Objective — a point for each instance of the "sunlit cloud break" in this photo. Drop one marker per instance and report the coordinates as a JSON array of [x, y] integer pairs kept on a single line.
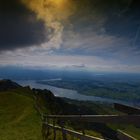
[[54, 13]]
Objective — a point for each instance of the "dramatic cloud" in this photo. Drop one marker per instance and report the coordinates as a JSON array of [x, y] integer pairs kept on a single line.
[[46, 22], [55, 13], [19, 27], [102, 34]]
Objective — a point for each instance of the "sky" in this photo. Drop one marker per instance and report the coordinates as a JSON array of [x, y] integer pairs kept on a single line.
[[95, 35]]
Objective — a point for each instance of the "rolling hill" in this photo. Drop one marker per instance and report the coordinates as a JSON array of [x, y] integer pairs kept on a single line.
[[18, 118]]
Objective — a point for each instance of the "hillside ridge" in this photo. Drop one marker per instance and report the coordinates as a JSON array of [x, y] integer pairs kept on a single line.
[[7, 84]]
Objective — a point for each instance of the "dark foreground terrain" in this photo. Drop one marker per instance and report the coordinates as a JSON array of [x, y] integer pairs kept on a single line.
[[20, 120]]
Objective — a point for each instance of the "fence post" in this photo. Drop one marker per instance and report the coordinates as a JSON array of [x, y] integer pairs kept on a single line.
[[44, 127], [54, 130], [83, 131], [63, 131], [43, 131]]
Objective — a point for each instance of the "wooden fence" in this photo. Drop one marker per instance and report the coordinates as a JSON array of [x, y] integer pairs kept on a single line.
[[49, 122], [66, 132], [122, 119]]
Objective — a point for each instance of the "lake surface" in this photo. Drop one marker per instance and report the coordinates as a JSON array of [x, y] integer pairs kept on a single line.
[[67, 93]]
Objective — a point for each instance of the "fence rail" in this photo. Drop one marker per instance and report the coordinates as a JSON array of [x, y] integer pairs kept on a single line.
[[133, 117], [123, 136], [72, 133], [127, 109], [125, 119]]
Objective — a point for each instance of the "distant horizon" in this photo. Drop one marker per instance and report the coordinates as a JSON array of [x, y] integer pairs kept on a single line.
[[76, 69]]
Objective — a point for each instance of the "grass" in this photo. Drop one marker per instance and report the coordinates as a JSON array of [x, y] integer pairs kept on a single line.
[[20, 121], [129, 129], [18, 118]]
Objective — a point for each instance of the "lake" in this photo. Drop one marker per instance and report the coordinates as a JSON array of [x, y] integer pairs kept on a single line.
[[67, 93]]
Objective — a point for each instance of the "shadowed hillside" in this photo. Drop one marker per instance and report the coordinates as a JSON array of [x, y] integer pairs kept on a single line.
[[19, 118], [7, 85]]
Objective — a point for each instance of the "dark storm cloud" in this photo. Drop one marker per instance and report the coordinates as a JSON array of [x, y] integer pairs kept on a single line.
[[117, 17], [19, 27], [112, 26], [124, 20], [110, 18]]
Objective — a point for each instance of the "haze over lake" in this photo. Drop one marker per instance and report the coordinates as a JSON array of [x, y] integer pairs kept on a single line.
[[67, 93]]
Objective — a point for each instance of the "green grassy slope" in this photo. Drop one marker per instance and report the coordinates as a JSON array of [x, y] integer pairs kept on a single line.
[[129, 129], [18, 118], [20, 121]]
